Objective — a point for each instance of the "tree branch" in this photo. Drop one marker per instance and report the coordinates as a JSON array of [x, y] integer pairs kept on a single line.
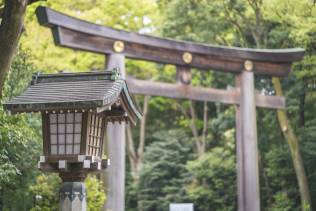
[[193, 119], [140, 150], [1, 11], [130, 143], [199, 145], [205, 121], [234, 22], [183, 111]]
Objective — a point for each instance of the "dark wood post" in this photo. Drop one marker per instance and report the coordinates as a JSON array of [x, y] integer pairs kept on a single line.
[[247, 146], [116, 151]]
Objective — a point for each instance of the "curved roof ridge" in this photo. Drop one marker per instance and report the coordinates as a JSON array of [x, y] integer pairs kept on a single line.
[[114, 92]]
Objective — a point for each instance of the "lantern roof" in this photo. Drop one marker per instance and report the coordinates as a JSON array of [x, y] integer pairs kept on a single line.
[[102, 92]]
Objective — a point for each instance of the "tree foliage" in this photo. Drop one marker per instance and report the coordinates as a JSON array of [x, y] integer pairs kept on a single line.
[[20, 142], [95, 194], [213, 180], [163, 174], [124, 14], [45, 193]]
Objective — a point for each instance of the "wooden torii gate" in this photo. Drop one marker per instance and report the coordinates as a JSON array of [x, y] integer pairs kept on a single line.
[[244, 63]]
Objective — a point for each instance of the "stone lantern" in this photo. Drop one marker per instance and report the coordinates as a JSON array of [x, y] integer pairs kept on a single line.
[[75, 109]]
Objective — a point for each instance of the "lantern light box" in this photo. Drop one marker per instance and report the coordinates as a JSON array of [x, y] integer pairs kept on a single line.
[[75, 109]]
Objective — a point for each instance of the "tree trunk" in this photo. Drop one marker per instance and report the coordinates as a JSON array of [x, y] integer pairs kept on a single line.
[[140, 150], [194, 128], [131, 151], [136, 157], [293, 143], [302, 109], [205, 126], [199, 139], [10, 30]]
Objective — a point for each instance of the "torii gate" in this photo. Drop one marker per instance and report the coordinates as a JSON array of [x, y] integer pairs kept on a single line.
[[243, 62]]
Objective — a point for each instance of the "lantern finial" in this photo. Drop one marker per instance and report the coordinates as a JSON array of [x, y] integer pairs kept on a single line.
[[115, 74], [34, 78]]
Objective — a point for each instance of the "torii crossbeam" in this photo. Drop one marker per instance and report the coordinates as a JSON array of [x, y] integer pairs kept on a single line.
[[243, 62]]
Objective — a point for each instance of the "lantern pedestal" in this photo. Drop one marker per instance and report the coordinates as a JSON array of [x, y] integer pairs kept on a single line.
[[72, 196]]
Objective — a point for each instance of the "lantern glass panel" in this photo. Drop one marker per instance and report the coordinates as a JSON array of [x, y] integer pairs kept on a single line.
[[77, 139], [61, 138], [53, 139], [69, 149], [65, 133], [61, 128], [76, 148], [61, 118], [53, 118], [53, 128], [78, 128], [70, 117], [69, 127], [78, 117], [61, 149], [53, 149], [69, 138]]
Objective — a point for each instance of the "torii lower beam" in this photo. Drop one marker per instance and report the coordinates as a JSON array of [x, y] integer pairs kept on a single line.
[[244, 62], [181, 91]]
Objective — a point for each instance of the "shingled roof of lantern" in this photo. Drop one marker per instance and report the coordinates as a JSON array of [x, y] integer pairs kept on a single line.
[[101, 92]]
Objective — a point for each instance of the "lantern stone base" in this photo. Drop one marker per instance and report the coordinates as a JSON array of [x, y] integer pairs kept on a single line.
[[72, 196]]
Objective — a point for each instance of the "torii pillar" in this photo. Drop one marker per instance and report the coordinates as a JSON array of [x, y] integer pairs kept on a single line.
[[247, 143], [116, 150]]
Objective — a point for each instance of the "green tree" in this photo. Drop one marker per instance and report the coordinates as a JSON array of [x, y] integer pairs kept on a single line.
[[281, 202], [20, 142], [124, 14], [45, 192], [213, 180], [95, 194], [163, 173]]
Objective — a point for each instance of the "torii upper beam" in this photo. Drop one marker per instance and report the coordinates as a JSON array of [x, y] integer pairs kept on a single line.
[[78, 34]]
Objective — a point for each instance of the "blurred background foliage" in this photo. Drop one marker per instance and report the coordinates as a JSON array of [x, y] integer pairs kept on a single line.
[[172, 172]]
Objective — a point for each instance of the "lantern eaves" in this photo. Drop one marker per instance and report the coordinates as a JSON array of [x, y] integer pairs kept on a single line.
[[96, 91]]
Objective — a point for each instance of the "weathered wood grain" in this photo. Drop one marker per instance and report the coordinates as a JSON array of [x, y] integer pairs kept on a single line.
[[247, 161], [97, 44], [116, 151], [180, 91], [78, 34]]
